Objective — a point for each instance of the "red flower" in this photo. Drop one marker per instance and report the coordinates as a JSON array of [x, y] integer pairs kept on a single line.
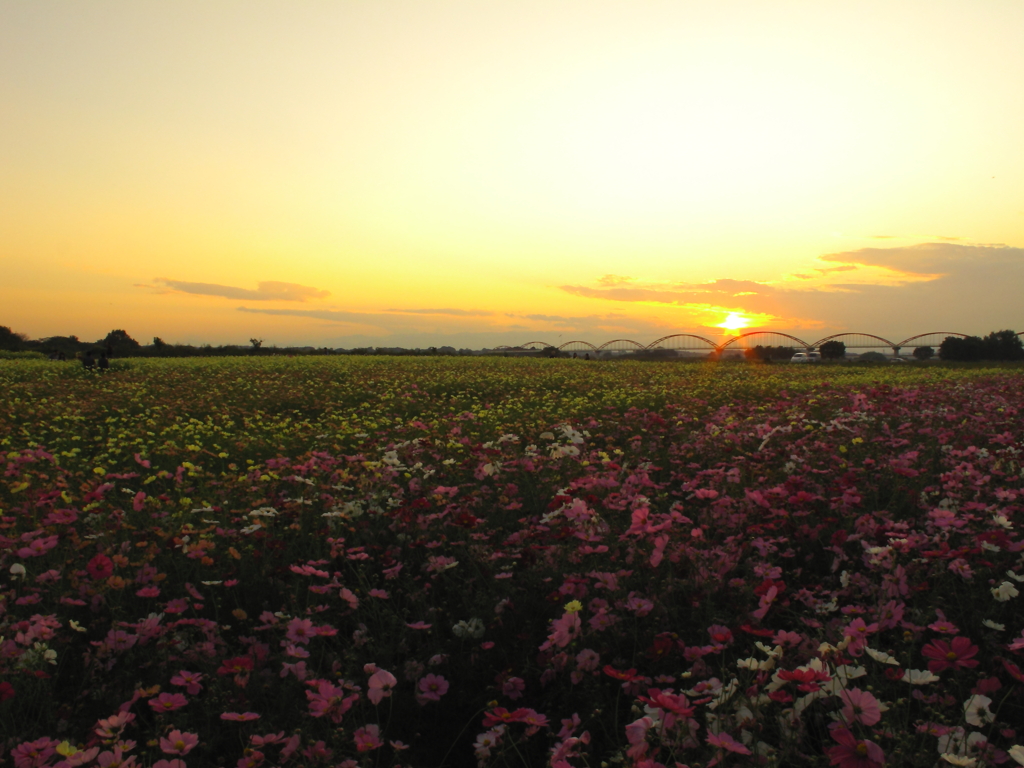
[[854, 753], [629, 675], [100, 567], [957, 654], [239, 665]]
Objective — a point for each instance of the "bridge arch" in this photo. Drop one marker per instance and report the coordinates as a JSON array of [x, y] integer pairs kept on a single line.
[[687, 341], [621, 345], [930, 339], [535, 345], [859, 341], [739, 340], [578, 346]]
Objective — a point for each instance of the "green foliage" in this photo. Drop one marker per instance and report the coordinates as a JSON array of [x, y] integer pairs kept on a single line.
[[833, 350]]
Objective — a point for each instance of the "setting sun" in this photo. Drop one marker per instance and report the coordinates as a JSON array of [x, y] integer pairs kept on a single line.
[[734, 322]]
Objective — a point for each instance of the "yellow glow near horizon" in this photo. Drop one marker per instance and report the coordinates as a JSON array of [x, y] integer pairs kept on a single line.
[[449, 172], [734, 322]]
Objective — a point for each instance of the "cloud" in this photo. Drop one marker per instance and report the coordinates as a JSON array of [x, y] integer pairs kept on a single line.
[[614, 280], [269, 290], [930, 259], [956, 287], [452, 312]]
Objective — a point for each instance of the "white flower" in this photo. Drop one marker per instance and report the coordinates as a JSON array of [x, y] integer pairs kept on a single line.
[[76, 626], [1001, 521], [976, 710], [968, 762], [919, 677], [885, 658], [1014, 576], [994, 625], [1017, 753], [17, 571], [1004, 592]]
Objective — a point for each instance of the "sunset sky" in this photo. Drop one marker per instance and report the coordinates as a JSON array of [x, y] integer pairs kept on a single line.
[[483, 173]]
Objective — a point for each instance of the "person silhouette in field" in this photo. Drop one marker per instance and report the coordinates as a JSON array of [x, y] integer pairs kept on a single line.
[[104, 362], [88, 361]]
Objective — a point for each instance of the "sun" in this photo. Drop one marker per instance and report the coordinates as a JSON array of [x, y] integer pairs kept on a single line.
[[734, 322]]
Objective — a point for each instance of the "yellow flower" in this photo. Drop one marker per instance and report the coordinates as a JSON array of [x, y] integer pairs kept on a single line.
[[573, 606]]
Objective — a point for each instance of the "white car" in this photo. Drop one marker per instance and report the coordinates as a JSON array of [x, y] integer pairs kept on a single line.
[[805, 357]]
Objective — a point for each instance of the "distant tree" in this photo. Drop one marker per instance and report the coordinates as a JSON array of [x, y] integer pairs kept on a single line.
[[768, 353], [120, 342], [256, 343], [967, 349], [872, 357], [1002, 345], [10, 340], [924, 353], [159, 343], [833, 350]]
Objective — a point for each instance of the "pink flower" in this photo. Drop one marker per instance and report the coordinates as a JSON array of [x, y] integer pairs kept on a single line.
[[513, 687], [380, 685], [433, 687], [243, 717], [116, 759], [367, 738], [725, 741], [419, 625], [300, 630], [189, 680], [957, 654], [34, 753], [167, 702], [860, 707], [169, 764], [851, 753], [178, 743], [149, 591]]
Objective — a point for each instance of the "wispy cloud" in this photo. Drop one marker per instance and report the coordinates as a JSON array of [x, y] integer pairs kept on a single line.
[[969, 288], [268, 290], [446, 311]]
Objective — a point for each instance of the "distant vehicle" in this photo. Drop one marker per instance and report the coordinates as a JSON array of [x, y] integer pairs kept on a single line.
[[806, 357], [897, 360]]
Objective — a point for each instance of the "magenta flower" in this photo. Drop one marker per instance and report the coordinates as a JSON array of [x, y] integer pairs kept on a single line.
[[367, 738], [100, 567], [380, 685], [150, 591], [854, 753], [433, 687], [167, 702], [725, 741], [860, 707], [178, 743], [957, 654], [240, 717]]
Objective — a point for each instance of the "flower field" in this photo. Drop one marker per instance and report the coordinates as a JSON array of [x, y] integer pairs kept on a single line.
[[435, 562]]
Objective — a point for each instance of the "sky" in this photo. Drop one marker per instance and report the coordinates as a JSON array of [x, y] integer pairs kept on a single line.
[[481, 173]]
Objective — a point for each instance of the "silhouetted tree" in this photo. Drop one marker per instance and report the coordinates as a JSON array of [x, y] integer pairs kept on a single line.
[[968, 349], [256, 343], [833, 350], [10, 340], [159, 343], [120, 342], [924, 353], [1002, 345]]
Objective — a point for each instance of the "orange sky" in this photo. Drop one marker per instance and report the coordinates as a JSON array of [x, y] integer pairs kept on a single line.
[[351, 173]]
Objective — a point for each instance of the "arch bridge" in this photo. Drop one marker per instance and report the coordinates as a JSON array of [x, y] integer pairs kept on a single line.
[[691, 342]]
